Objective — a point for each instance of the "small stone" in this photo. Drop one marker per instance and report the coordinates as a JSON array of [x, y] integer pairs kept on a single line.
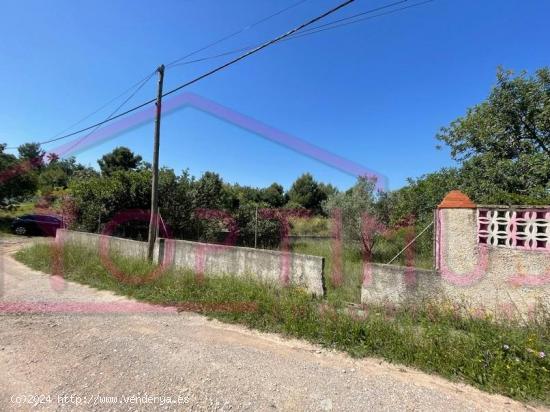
[[326, 404]]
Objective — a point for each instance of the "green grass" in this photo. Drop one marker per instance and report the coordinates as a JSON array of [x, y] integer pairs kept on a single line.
[[352, 267], [497, 357], [352, 262], [313, 226]]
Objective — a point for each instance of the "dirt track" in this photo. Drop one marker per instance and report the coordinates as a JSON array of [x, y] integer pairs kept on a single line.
[[118, 355]]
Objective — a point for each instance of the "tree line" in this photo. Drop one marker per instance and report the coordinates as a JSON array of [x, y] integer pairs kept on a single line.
[[123, 182], [126, 184], [501, 146]]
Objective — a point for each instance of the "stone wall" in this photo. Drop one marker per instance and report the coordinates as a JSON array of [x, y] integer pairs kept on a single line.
[[498, 278], [301, 270], [398, 284]]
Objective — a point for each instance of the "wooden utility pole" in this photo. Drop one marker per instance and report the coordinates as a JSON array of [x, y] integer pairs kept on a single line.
[[153, 222]]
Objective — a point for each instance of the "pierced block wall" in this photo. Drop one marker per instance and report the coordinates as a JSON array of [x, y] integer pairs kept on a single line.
[[527, 229], [492, 257]]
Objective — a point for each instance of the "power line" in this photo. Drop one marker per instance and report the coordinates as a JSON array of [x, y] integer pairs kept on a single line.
[[264, 19], [291, 37], [100, 123], [313, 31], [261, 47], [215, 70], [139, 83], [253, 49], [58, 136], [318, 29], [357, 15], [143, 83], [174, 62]]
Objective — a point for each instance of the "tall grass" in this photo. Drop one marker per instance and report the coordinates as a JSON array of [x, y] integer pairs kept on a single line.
[[313, 226], [352, 269], [506, 358], [385, 248]]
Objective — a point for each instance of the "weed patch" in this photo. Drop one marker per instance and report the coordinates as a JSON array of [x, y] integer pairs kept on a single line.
[[506, 358]]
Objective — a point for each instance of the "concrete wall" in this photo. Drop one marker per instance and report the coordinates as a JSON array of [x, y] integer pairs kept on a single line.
[[124, 247], [398, 284], [500, 279], [301, 270]]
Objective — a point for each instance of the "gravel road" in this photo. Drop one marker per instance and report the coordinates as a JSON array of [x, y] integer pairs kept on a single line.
[[83, 349]]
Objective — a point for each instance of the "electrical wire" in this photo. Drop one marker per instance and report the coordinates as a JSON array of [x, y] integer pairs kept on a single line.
[[139, 83], [174, 62], [143, 83], [313, 31], [261, 47], [58, 136], [264, 19], [317, 29], [210, 72], [357, 15]]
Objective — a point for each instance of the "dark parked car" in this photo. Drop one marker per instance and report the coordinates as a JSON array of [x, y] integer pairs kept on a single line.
[[36, 225]]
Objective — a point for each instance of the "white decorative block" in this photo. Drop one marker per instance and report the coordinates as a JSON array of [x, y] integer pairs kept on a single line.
[[514, 228]]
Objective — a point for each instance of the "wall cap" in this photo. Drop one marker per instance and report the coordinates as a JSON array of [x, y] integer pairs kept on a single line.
[[455, 199], [403, 269], [513, 207]]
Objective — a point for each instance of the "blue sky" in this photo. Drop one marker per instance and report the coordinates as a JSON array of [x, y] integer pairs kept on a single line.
[[375, 92]]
